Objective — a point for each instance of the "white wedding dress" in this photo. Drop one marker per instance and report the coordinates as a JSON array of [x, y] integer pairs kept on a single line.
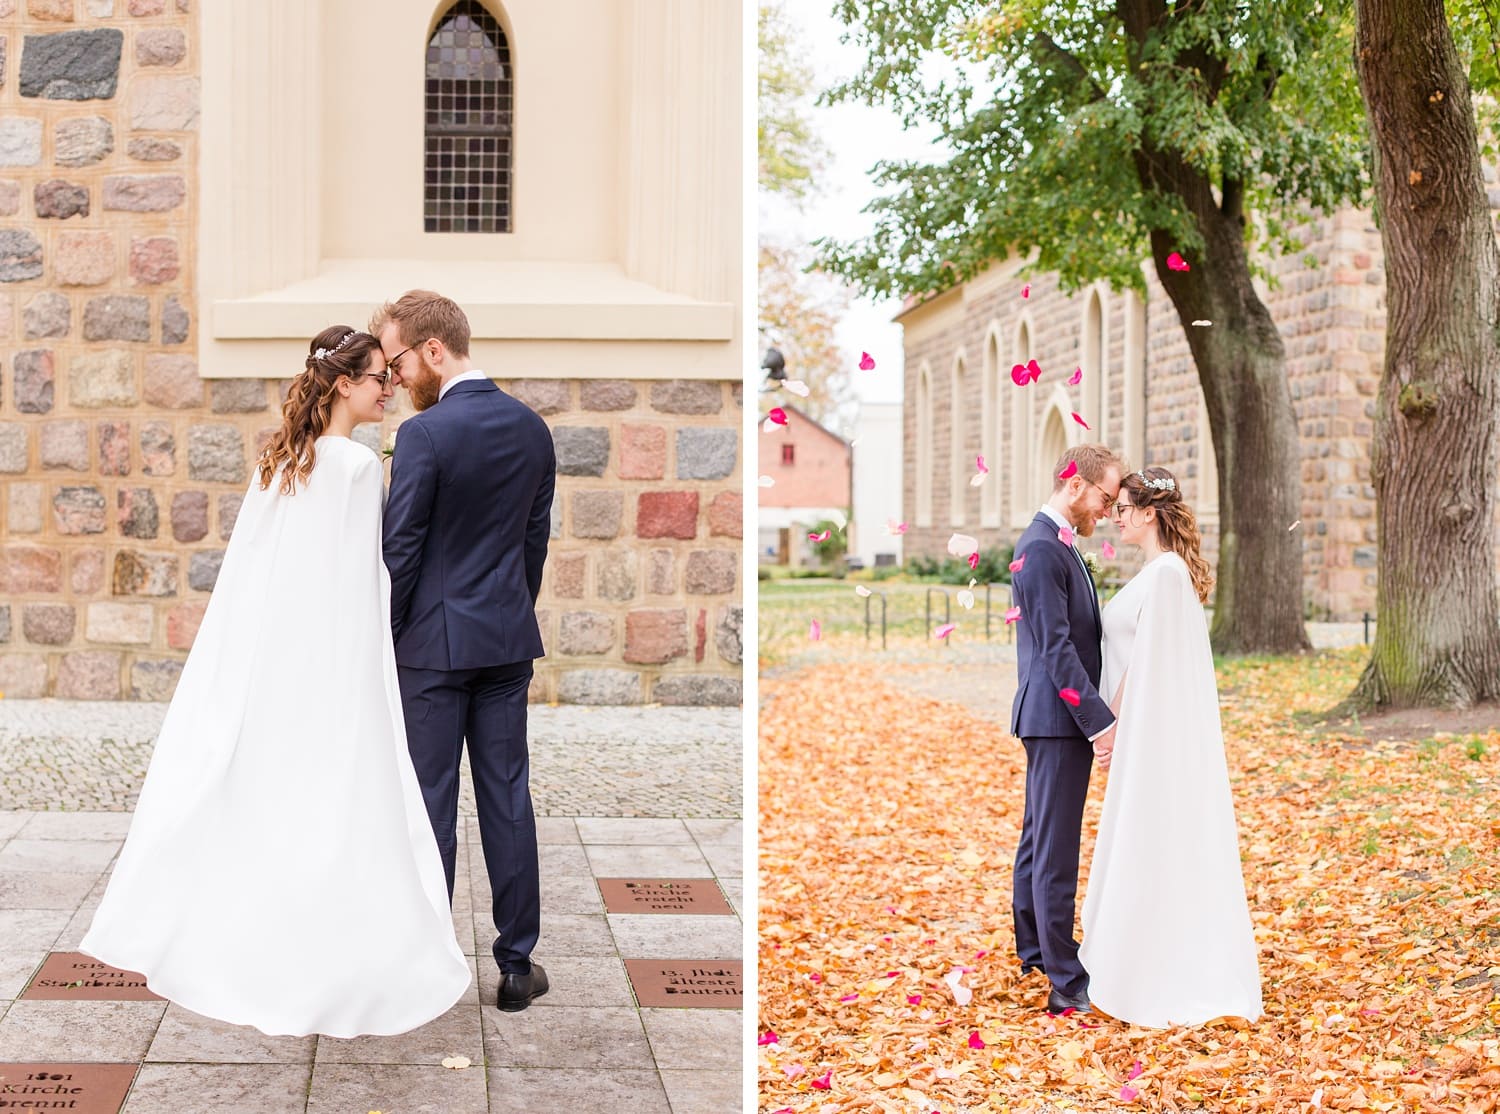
[[1167, 938], [280, 869]]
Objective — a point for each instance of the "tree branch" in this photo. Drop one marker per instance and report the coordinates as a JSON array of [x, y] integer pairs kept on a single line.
[[1049, 55]]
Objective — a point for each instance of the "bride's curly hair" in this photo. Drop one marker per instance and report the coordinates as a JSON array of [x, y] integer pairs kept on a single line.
[[339, 351], [1176, 525]]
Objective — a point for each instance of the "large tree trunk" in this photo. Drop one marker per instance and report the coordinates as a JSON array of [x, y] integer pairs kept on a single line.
[[1436, 452]]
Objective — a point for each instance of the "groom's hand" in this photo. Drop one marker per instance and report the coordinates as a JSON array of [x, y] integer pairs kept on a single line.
[[1104, 747]]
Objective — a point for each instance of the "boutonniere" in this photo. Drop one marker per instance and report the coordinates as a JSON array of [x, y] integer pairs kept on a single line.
[[1091, 561]]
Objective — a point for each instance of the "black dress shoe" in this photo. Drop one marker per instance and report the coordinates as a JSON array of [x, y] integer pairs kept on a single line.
[[519, 991], [1058, 1002]]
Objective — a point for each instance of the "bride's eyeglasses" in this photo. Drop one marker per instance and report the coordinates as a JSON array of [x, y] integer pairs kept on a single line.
[[1119, 509], [381, 377]]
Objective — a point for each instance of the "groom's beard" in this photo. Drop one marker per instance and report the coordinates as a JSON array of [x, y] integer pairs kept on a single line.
[[424, 386]]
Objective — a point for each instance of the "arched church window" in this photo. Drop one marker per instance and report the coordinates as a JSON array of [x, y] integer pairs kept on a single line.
[[467, 182]]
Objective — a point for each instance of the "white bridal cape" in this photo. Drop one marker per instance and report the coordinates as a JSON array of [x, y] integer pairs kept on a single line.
[[280, 870], [1167, 938]]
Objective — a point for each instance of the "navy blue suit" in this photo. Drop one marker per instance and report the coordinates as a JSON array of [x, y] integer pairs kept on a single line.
[[1057, 647], [465, 539]]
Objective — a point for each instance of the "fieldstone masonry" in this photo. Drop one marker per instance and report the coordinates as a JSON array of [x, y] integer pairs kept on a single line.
[[122, 468]]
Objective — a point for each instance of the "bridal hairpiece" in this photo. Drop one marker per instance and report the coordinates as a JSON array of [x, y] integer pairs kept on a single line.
[[324, 353], [1166, 483]]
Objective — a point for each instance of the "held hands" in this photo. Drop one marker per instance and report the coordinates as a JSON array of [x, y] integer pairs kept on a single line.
[[1104, 746]]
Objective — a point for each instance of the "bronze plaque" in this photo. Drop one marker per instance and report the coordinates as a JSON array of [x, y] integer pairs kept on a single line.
[[687, 983], [76, 1088], [663, 895], [75, 977]]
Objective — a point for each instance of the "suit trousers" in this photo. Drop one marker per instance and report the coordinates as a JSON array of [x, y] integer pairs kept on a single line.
[[486, 707], [1045, 881]]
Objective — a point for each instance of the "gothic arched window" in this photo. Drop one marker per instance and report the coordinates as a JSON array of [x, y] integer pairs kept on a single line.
[[467, 186]]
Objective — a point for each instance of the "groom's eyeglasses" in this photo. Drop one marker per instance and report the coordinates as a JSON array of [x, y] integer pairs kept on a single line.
[[392, 366], [382, 377], [1110, 501]]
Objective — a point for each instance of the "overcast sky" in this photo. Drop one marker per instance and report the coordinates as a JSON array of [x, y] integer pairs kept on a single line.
[[858, 137]]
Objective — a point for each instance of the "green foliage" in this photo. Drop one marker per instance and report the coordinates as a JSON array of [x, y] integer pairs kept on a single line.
[[1475, 748], [1063, 123], [993, 567], [834, 546], [789, 153]]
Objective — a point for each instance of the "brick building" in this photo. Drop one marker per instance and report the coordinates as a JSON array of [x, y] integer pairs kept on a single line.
[[810, 469], [1140, 394], [190, 190]]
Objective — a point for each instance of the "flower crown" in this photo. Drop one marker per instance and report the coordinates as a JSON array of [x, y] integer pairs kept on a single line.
[[1166, 483], [324, 353]]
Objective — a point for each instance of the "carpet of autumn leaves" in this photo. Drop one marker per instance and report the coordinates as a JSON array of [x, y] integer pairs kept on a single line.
[[887, 825]]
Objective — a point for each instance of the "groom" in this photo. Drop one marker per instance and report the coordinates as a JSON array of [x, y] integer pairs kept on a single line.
[[465, 537], [1058, 649]]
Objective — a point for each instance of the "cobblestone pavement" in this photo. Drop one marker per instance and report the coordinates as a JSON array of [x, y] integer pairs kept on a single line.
[[585, 761]]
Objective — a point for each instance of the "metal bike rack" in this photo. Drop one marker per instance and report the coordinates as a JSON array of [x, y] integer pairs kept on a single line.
[[868, 598], [1010, 631], [947, 608]]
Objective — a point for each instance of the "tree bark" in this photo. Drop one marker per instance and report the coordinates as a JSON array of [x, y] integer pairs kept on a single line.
[[1435, 459]]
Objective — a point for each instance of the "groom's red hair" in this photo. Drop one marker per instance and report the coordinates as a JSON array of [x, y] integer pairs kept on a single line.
[[419, 314]]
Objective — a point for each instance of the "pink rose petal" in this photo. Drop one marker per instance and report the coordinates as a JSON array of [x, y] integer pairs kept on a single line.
[[1070, 471], [815, 977], [1108, 551], [1128, 1093], [979, 463], [975, 1040], [1077, 418], [849, 997], [823, 537], [815, 630], [1034, 369], [1065, 535], [1076, 378], [1026, 290], [768, 1037], [1175, 262], [1013, 616], [1019, 375], [945, 630], [792, 1072], [1018, 563], [866, 362], [894, 527], [824, 1082], [1135, 1070], [973, 560], [913, 999], [1070, 696], [777, 415]]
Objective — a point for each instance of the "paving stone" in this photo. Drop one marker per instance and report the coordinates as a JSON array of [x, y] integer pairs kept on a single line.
[[72, 65], [82, 141], [58, 200], [79, 1032], [164, 104], [342, 1088], [570, 894], [47, 314], [455, 1033], [567, 1037], [687, 396], [187, 1037], [58, 856], [575, 981], [221, 1089], [706, 453], [669, 860], [691, 1091], [727, 860], [20, 141], [696, 1039], [678, 936], [20, 255], [102, 379], [563, 934], [581, 450], [607, 394], [20, 889], [637, 830]]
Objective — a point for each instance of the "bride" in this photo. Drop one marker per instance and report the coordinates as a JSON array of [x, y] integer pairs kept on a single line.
[[280, 869], [1167, 938]]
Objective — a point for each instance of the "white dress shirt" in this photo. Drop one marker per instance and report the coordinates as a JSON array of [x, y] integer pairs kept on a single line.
[[464, 378]]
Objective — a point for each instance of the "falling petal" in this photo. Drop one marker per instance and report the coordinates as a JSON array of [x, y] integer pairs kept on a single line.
[[838, 519], [815, 977], [894, 527], [1128, 1093], [866, 362], [824, 1082], [975, 1040], [769, 425], [816, 631], [978, 478], [974, 560], [1070, 471], [797, 387], [768, 1037], [1065, 535], [913, 999], [1076, 378], [1108, 551], [820, 537], [776, 414], [457, 1063], [1070, 696], [1013, 615], [1034, 369], [961, 545], [849, 997], [961, 994], [1175, 262], [1293, 526], [965, 599], [1080, 421], [1015, 566], [1026, 290], [1203, 323], [767, 481], [1135, 1070], [979, 463], [861, 590], [945, 630], [1019, 375]]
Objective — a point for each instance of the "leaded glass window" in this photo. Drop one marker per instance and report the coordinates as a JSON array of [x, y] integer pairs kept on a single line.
[[468, 123]]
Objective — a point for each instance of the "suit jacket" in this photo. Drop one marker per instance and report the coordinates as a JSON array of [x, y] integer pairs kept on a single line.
[[1057, 640], [466, 529]]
